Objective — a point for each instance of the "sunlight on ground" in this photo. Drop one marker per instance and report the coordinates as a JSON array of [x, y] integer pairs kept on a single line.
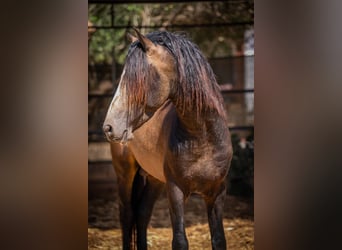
[[239, 235]]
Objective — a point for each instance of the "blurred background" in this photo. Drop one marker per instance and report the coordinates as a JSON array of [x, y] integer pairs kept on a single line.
[[224, 31], [44, 155]]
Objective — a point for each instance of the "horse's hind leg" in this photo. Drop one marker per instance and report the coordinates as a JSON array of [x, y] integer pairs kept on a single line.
[[215, 212], [176, 206], [150, 191]]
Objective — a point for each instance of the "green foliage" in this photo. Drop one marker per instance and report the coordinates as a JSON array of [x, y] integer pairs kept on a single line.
[[107, 44]]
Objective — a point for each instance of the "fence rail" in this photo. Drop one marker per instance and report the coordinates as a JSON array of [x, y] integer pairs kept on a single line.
[[203, 25], [166, 1]]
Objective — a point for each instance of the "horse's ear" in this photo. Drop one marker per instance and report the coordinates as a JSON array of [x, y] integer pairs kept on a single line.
[[145, 42], [131, 38]]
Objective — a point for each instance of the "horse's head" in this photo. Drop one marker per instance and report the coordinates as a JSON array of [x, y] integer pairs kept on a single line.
[[145, 85]]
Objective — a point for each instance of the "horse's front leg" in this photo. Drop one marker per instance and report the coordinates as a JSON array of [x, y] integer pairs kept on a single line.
[[151, 189], [215, 207], [126, 212], [125, 169], [176, 206]]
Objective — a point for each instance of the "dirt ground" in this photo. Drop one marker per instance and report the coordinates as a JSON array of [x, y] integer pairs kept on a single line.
[[104, 227]]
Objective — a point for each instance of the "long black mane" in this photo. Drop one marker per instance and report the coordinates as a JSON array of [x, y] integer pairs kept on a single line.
[[196, 88]]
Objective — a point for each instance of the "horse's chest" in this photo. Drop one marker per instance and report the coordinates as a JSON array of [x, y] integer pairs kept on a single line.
[[150, 141], [150, 157]]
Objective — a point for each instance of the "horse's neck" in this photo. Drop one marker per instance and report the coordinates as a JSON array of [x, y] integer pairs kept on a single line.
[[190, 123], [201, 127]]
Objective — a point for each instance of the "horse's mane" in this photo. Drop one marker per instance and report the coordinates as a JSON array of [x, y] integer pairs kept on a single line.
[[196, 88]]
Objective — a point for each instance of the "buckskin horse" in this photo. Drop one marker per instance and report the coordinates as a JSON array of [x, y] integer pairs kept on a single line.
[[168, 110]]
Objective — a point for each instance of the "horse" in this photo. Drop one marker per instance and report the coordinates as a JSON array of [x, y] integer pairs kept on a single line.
[[169, 111]]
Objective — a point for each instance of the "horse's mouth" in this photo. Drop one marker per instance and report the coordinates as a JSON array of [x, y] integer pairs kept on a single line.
[[123, 139]]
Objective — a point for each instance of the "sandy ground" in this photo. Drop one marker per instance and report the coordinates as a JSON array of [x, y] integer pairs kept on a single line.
[[104, 228]]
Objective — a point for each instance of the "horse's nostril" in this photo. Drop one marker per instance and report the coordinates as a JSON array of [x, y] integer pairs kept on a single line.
[[107, 128]]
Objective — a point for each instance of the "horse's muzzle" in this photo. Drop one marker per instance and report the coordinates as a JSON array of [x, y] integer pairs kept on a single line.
[[108, 130]]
